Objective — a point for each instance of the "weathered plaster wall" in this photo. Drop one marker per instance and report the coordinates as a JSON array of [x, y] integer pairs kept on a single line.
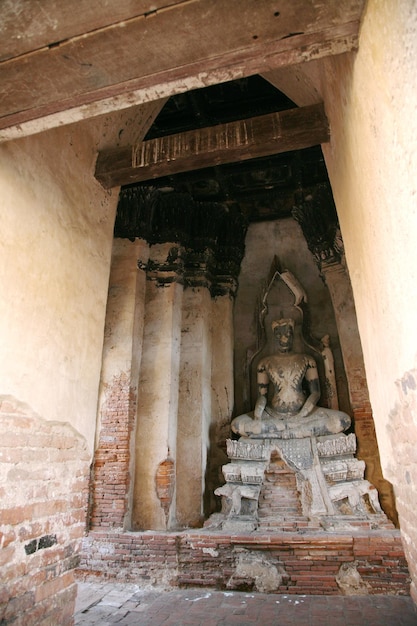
[[371, 102], [57, 232], [55, 256]]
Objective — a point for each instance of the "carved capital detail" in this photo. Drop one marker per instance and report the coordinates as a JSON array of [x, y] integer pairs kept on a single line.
[[316, 214], [208, 238]]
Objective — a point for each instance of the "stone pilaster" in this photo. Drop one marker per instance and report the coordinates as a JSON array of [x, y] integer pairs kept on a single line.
[[338, 283], [111, 482], [222, 395], [158, 388], [194, 408]]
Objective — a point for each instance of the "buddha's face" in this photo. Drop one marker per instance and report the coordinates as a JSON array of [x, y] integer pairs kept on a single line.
[[284, 334]]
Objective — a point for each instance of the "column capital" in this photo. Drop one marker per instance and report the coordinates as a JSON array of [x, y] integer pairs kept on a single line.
[[315, 212], [206, 239]]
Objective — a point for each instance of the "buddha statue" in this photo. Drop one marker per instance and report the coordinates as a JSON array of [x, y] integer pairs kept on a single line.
[[292, 412]]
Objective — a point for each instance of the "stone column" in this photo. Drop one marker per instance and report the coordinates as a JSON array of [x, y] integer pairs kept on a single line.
[[111, 488], [222, 394], [158, 392], [194, 407]]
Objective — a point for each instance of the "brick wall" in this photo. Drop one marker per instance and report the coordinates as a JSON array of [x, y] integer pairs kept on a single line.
[[111, 469], [298, 563], [368, 450], [44, 470]]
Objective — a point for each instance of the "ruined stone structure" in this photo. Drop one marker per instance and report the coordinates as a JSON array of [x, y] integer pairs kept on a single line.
[[286, 422], [127, 351], [271, 486], [329, 482], [178, 289]]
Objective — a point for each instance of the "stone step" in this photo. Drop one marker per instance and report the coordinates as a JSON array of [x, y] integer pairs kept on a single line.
[[287, 525]]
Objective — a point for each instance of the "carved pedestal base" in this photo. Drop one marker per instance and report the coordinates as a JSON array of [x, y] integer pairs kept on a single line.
[[329, 482], [244, 477]]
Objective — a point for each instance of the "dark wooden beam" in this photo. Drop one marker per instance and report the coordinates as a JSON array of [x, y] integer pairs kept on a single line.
[[126, 56], [261, 136]]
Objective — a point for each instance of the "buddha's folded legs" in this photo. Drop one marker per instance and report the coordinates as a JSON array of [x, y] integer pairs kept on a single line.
[[319, 423]]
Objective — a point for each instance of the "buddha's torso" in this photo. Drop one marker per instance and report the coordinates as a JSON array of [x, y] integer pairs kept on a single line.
[[286, 373]]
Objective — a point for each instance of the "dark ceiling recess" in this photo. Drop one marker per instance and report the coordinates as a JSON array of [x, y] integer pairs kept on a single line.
[[219, 104], [262, 188]]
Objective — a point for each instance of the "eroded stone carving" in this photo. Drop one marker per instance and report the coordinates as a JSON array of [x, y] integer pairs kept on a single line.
[[355, 493], [331, 488], [234, 495], [345, 444], [264, 574], [210, 237], [308, 438], [350, 581], [247, 450], [336, 470], [289, 414]]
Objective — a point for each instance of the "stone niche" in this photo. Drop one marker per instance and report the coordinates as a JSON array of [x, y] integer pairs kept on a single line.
[[328, 490], [265, 242], [317, 260], [295, 514]]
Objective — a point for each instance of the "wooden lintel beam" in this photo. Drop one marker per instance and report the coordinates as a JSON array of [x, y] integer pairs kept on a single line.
[[131, 53], [255, 137]]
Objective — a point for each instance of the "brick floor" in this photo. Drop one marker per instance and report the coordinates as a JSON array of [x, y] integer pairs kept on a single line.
[[108, 603]]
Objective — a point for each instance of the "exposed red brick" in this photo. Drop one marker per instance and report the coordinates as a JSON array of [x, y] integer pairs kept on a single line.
[[165, 483], [193, 559], [42, 525], [111, 475]]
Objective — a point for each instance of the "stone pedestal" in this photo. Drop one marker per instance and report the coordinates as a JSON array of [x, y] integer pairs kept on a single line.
[[329, 482], [244, 477]]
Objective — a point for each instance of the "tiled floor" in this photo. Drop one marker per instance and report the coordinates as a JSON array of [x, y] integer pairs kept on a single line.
[[108, 603]]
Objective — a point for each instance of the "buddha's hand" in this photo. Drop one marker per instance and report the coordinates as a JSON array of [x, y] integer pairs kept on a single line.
[[307, 408], [259, 407]]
